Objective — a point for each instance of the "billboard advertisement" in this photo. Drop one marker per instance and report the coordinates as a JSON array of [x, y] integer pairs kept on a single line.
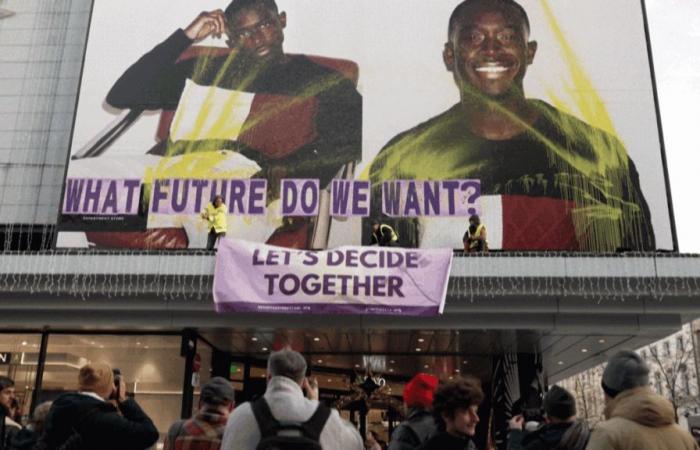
[[311, 119]]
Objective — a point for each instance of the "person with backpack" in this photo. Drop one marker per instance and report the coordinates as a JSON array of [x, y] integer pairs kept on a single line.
[[561, 430], [284, 419], [419, 424], [99, 416], [205, 430]]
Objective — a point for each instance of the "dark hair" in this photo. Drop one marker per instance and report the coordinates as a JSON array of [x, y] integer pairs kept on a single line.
[[6, 382], [237, 6], [462, 7], [475, 218], [453, 395]]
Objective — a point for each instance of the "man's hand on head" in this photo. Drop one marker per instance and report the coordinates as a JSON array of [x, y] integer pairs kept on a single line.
[[211, 23]]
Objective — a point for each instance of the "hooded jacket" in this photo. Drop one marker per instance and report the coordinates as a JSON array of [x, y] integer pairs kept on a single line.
[[639, 419], [544, 438], [287, 404], [99, 423], [416, 429]]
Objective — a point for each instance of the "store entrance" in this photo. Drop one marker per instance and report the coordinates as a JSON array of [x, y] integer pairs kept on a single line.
[[363, 373]]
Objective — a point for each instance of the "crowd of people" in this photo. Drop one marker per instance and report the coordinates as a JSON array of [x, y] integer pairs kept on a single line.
[[440, 416]]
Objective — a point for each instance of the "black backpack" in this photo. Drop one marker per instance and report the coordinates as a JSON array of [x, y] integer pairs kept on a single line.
[[276, 435]]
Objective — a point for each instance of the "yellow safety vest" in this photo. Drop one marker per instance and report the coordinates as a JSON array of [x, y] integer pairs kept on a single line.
[[394, 236], [473, 241], [216, 218]]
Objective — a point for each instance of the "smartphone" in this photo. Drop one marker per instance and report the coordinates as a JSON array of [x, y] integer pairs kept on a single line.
[[117, 382]]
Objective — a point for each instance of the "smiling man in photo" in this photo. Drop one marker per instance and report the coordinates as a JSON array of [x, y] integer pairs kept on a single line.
[[560, 183]]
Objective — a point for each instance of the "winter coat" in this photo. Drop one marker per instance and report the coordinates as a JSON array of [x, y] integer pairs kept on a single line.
[[412, 432], [25, 439], [216, 217], [639, 419], [11, 429], [445, 441], [99, 423], [287, 404], [546, 437]]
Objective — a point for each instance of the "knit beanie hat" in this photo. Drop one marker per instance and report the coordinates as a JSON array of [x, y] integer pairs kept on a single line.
[[95, 377], [419, 391], [559, 403], [218, 391], [625, 370]]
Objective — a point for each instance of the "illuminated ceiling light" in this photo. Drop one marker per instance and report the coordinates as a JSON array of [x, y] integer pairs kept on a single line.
[[425, 366], [561, 363], [357, 366], [92, 342], [146, 346], [24, 343], [264, 349], [464, 362], [102, 346], [329, 380], [601, 341], [584, 350], [392, 361], [421, 340], [418, 349], [254, 339], [316, 339], [456, 370], [452, 378], [391, 369], [320, 361]]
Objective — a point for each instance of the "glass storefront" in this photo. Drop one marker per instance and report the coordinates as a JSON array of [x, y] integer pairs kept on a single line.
[[151, 366], [19, 354]]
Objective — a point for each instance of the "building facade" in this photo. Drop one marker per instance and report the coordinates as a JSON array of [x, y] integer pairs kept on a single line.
[[510, 318], [673, 374]]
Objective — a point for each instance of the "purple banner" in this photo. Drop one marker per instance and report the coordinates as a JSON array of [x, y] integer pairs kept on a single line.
[[350, 198], [446, 198], [253, 277], [101, 196], [300, 197], [190, 196]]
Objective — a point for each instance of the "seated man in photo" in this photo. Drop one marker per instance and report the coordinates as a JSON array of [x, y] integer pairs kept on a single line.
[[560, 183], [293, 115]]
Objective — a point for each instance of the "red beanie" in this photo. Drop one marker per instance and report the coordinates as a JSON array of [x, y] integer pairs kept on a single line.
[[419, 391]]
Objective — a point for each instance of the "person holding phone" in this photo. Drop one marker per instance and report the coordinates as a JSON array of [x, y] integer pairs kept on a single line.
[[285, 414], [99, 415]]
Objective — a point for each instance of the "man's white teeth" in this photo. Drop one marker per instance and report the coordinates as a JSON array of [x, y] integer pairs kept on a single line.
[[492, 69]]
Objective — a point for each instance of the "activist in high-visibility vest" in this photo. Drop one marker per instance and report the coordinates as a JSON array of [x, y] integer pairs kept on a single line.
[[474, 239], [383, 235], [215, 215]]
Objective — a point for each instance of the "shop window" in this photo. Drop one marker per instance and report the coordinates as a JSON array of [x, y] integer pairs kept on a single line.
[[19, 354], [150, 365]]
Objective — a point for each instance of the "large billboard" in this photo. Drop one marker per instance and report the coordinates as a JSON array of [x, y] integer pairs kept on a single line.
[[313, 118]]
